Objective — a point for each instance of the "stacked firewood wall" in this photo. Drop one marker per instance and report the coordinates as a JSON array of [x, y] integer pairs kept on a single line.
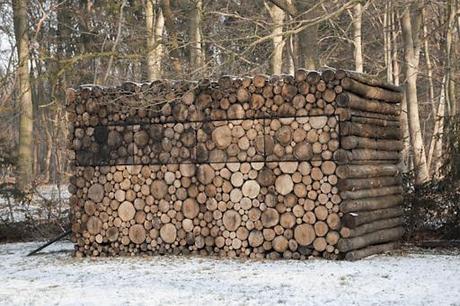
[[369, 180], [246, 167]]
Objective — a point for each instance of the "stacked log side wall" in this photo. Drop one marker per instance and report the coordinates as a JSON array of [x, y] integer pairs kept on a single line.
[[369, 177], [241, 167]]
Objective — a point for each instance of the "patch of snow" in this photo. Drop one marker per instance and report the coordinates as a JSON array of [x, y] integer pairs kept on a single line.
[[57, 278], [48, 200]]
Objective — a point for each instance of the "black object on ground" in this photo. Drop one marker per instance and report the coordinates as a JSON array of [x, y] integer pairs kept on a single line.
[[50, 242]]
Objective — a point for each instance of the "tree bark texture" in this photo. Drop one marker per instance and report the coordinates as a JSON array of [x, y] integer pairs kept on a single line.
[[411, 54], [25, 147]]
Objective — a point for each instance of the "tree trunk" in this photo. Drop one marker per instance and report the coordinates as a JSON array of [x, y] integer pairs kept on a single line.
[[116, 41], [429, 67], [196, 49], [277, 15], [450, 43], [387, 24], [411, 50], [435, 157], [306, 47], [25, 149], [154, 22], [357, 33], [173, 46], [308, 38], [404, 124], [394, 44]]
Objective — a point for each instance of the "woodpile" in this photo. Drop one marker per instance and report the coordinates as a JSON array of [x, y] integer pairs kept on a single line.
[[369, 180], [261, 167]]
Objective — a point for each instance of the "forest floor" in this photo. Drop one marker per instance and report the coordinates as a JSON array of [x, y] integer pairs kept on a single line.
[[410, 277]]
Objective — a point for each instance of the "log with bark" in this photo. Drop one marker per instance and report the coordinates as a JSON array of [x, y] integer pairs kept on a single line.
[[371, 92], [369, 131], [381, 236], [352, 101], [347, 114], [371, 203], [365, 155], [371, 227], [371, 250], [355, 219], [365, 171], [356, 142], [368, 183]]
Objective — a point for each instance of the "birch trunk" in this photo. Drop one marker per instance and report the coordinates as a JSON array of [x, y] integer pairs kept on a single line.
[[435, 159], [154, 22], [387, 31], [411, 50], [277, 15], [357, 33], [429, 67]]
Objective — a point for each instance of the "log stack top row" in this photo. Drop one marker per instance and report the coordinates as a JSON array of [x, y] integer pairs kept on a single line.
[[250, 167], [308, 93]]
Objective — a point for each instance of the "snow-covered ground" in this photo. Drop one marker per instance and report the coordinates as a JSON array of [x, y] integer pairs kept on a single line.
[[415, 278]]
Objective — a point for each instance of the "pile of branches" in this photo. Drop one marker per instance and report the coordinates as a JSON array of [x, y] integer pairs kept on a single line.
[[432, 211], [25, 215]]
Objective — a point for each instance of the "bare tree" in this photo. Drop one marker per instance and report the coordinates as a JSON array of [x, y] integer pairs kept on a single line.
[[173, 46], [410, 31], [435, 158], [278, 15], [307, 54], [357, 35], [25, 150], [197, 56], [387, 40], [450, 42], [154, 22]]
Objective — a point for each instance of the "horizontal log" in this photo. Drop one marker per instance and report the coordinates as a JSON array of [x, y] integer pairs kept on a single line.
[[375, 121], [370, 193], [376, 162], [369, 131], [370, 203], [365, 171], [368, 183], [343, 156], [356, 142], [369, 154], [355, 219], [345, 114], [381, 236], [371, 250], [347, 99], [370, 92], [371, 227], [366, 79]]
